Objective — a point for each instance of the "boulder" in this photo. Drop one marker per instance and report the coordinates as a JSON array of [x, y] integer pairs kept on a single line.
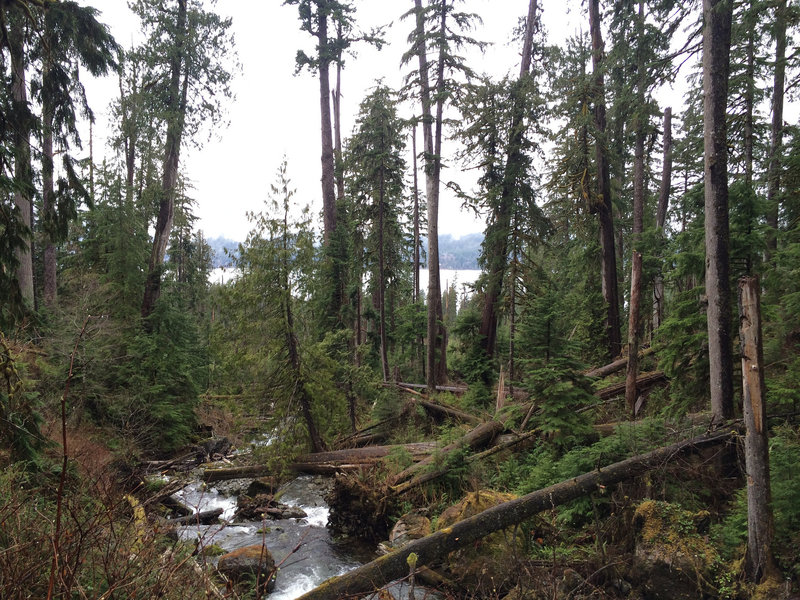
[[672, 561], [264, 506], [489, 564], [262, 485], [248, 566], [411, 526]]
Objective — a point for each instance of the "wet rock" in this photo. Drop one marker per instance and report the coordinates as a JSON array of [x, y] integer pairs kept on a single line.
[[262, 485], [212, 449], [411, 526], [264, 506], [232, 487], [248, 566], [672, 561]]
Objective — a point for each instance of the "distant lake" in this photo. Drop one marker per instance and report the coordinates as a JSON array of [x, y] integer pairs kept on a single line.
[[446, 277]]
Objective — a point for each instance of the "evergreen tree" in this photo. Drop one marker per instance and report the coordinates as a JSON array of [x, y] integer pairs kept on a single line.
[[376, 172], [434, 29], [184, 57]]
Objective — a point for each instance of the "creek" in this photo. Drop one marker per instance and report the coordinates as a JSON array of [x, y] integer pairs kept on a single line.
[[303, 549]]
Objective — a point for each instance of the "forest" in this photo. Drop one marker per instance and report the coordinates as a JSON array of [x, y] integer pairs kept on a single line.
[[609, 411]]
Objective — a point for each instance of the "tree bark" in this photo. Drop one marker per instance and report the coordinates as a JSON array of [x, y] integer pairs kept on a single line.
[[334, 461], [382, 279], [176, 109], [759, 560], [602, 206], [436, 362], [50, 287], [639, 192], [433, 547], [716, 66], [634, 325], [661, 215], [337, 126], [776, 138], [22, 157], [328, 185]]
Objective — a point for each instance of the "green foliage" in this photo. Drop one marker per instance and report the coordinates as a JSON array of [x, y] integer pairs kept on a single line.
[[560, 390], [730, 535], [549, 464], [468, 358], [163, 376], [20, 418]]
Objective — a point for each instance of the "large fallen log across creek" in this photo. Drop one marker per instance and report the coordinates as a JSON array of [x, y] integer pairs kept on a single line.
[[325, 463], [334, 461], [373, 575]]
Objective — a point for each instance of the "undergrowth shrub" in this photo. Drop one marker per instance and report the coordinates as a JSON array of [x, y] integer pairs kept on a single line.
[[730, 535], [548, 464], [107, 548]]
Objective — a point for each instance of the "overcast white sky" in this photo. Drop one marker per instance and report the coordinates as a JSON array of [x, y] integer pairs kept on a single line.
[[276, 113]]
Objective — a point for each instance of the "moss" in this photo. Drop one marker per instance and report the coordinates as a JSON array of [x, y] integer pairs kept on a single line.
[[670, 531]]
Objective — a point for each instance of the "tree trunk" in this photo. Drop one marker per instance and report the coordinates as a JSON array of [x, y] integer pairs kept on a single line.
[[603, 205], [436, 371], [716, 66], [632, 371], [334, 461], [176, 109], [382, 281], [661, 215], [759, 560], [417, 262], [337, 127], [50, 286], [328, 187], [23, 177], [776, 140], [500, 224], [434, 547], [639, 192]]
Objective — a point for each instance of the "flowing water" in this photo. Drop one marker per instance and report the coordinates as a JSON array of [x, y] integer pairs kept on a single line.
[[302, 548]]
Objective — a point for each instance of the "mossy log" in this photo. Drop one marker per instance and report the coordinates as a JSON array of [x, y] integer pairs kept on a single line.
[[480, 435], [510, 441], [377, 573]]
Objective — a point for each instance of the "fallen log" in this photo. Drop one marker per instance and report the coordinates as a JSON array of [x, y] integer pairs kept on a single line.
[[615, 366], [456, 389], [475, 438], [512, 440], [643, 383], [333, 461], [246, 472], [377, 573], [449, 411], [206, 517]]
